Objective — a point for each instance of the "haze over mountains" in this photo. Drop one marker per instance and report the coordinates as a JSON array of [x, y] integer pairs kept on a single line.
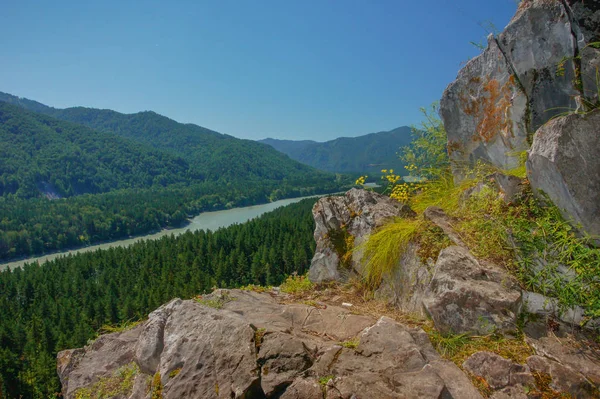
[[364, 154]]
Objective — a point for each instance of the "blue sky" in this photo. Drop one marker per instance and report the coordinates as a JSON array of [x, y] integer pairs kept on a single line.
[[301, 69]]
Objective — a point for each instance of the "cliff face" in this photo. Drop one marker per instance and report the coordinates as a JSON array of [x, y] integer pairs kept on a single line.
[[540, 66]]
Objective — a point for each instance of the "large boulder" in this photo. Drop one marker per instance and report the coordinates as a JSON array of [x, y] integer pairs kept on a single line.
[[466, 296], [344, 222], [563, 164], [485, 112], [251, 346], [525, 76]]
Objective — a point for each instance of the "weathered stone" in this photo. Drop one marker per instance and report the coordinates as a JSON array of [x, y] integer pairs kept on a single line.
[[579, 356], [498, 371], [405, 285], [443, 221], [355, 214], [83, 367], [485, 113], [522, 79], [254, 347], [465, 297], [509, 187], [151, 341], [564, 379], [535, 42], [564, 165], [544, 306]]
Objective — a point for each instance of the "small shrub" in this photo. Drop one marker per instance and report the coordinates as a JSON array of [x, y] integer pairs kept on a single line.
[[256, 288], [215, 301], [351, 344], [124, 326], [156, 387], [259, 334], [174, 373], [325, 379], [297, 285], [118, 384]]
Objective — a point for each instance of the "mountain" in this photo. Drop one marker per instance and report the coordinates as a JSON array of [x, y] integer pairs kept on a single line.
[[140, 173], [60, 159], [219, 157], [364, 154]]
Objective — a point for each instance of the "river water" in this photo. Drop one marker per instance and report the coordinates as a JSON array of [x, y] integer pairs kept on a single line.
[[204, 221]]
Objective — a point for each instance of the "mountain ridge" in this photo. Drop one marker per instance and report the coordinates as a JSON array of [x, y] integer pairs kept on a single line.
[[368, 153]]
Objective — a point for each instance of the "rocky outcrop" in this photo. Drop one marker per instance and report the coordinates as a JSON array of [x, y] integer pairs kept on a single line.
[[563, 164], [251, 346], [525, 76], [465, 297], [459, 293], [343, 223]]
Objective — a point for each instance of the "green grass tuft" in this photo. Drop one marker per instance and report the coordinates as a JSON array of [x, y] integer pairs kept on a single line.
[[295, 284], [118, 384], [385, 247]]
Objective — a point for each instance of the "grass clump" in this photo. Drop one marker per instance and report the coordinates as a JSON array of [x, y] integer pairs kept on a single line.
[[325, 379], [156, 387], [124, 326], [256, 288], [458, 348], [174, 373], [351, 344], [297, 285], [118, 384], [259, 334], [385, 247]]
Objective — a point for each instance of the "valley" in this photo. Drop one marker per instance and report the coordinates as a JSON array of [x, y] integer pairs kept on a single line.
[[205, 221]]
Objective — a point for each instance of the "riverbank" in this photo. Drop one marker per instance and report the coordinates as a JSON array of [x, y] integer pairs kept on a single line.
[[204, 221]]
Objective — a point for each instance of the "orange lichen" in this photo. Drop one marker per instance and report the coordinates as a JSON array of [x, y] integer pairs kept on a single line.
[[489, 104]]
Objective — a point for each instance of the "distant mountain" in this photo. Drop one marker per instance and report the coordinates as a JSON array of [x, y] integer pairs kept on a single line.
[[218, 157], [41, 154], [364, 154], [140, 173]]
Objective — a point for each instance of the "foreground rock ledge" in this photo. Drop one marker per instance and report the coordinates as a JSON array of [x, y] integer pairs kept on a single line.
[[254, 347]]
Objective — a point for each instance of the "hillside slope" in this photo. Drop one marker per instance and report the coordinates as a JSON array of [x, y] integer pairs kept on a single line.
[[219, 157], [364, 154], [41, 154]]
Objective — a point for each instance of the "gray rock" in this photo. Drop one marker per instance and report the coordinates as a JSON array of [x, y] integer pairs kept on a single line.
[[405, 285], [545, 306], [356, 214], [563, 164], [151, 341], [535, 42], [465, 297], [83, 367], [443, 221], [579, 356], [485, 113], [219, 353], [509, 187], [564, 379], [498, 371], [501, 97]]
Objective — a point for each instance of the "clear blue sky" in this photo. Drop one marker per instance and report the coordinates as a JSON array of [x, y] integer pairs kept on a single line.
[[295, 69]]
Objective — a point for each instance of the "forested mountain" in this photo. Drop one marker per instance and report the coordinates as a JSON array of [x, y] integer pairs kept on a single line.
[[145, 172], [217, 156], [43, 154], [64, 303], [364, 154]]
